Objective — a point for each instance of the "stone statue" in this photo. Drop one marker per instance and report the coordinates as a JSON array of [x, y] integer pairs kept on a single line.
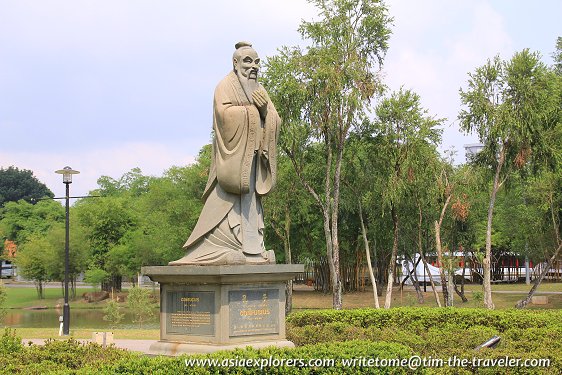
[[243, 169]]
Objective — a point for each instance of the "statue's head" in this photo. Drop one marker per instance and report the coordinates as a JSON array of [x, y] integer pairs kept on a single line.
[[245, 61]]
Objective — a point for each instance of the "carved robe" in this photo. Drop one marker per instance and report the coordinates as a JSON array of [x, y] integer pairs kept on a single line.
[[243, 168]]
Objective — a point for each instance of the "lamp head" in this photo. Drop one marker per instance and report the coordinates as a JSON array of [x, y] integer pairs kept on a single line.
[[67, 173]]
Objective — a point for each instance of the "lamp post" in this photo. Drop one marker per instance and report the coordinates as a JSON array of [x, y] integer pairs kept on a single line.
[[67, 173]]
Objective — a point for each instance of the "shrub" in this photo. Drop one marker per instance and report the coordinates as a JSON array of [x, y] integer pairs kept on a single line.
[[112, 313], [141, 304], [10, 342]]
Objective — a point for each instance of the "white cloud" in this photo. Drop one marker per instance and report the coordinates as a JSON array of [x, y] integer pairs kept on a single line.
[[435, 44], [152, 158]]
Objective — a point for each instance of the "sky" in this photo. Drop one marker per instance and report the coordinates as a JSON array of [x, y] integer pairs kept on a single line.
[[105, 86]]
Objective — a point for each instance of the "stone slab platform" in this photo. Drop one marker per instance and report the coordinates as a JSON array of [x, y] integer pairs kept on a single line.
[[223, 274]]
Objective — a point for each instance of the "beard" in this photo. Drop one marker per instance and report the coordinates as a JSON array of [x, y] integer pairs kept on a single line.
[[249, 85]]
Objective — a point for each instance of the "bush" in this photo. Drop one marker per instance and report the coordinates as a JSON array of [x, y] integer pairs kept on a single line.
[[440, 333], [140, 302], [428, 333], [112, 313], [10, 342], [56, 356], [420, 319]]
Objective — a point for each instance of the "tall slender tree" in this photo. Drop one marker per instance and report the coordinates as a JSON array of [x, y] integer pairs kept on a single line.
[[405, 128], [323, 91], [510, 105]]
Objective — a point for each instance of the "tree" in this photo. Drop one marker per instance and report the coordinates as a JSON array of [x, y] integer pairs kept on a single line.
[[20, 220], [287, 207], [54, 254], [404, 128], [31, 260], [168, 212], [16, 184], [139, 301], [106, 222], [558, 56], [112, 313], [361, 179], [548, 185], [322, 91], [510, 105]]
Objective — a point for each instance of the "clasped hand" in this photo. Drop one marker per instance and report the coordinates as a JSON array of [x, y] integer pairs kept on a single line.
[[261, 99]]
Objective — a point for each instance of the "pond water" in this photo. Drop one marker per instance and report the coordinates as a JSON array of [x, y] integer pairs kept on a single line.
[[79, 318]]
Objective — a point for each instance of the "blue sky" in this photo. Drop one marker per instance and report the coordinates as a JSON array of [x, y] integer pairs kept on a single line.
[[108, 85]]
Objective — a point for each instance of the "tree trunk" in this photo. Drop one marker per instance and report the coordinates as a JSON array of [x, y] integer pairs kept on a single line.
[[113, 284], [524, 302], [461, 291], [486, 264], [421, 252], [334, 273], [450, 281], [39, 287], [444, 286], [73, 287], [415, 282], [288, 260], [392, 264], [368, 254], [335, 208]]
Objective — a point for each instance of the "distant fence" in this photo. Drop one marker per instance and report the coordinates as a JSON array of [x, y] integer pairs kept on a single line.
[[505, 267], [354, 275]]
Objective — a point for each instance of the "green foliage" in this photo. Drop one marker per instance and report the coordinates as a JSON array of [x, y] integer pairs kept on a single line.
[[439, 333], [21, 220], [478, 296], [32, 259], [95, 276], [56, 356], [16, 184], [511, 105], [322, 92], [333, 335], [10, 343], [112, 312], [140, 302], [425, 318], [557, 56]]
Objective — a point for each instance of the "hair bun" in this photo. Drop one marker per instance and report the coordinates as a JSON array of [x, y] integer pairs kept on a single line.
[[242, 44]]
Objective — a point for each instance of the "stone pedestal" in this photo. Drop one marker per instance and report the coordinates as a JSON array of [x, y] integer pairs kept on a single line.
[[208, 308]]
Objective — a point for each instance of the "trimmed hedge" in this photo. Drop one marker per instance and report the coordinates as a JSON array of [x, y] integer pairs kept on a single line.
[[441, 333], [425, 318], [366, 333]]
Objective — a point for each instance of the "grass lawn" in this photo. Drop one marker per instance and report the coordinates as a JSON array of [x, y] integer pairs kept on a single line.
[[22, 297], [315, 300]]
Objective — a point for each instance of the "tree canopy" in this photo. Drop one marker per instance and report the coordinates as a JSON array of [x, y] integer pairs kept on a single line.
[[16, 184]]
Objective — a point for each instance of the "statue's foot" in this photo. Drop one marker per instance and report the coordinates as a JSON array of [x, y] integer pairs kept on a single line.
[[266, 257], [270, 256], [235, 257]]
